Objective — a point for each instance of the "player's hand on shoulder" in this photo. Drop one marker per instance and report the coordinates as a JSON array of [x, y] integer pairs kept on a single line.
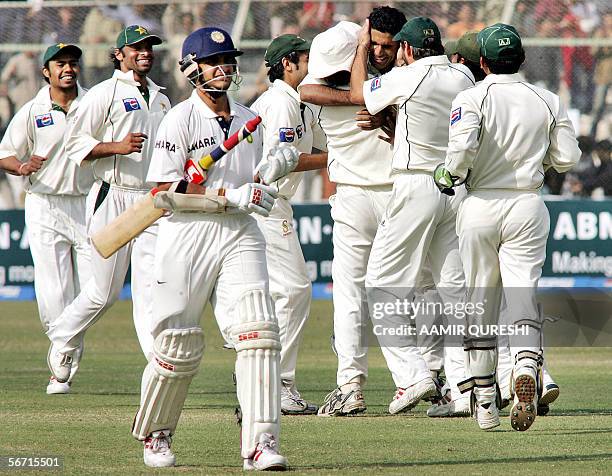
[[252, 198], [132, 142], [34, 164], [281, 160]]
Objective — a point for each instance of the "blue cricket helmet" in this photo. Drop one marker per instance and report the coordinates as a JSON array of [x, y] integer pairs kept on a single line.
[[209, 41]]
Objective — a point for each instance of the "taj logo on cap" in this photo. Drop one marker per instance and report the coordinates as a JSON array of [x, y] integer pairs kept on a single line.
[[428, 32], [217, 37], [44, 120], [131, 104], [503, 41], [286, 134]]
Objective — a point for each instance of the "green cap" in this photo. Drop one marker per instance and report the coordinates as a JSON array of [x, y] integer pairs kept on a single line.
[[282, 45], [420, 32], [133, 34], [450, 47], [467, 46], [58, 48], [500, 41]]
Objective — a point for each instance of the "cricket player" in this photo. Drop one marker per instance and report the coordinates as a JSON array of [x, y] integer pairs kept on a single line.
[[286, 120], [114, 130], [418, 224], [359, 163], [34, 145], [504, 133], [210, 249]]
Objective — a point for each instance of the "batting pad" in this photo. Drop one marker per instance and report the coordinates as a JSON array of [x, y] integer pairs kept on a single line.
[[176, 357], [257, 342]]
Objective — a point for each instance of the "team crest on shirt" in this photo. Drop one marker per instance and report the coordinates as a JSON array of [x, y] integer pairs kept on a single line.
[[44, 120], [286, 134], [299, 130], [455, 115], [131, 104], [286, 229], [375, 84]]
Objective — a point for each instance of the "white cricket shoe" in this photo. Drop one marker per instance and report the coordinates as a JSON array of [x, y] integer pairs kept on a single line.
[[524, 410], [343, 401], [454, 408], [56, 388], [59, 363], [486, 414], [157, 452], [409, 397], [292, 402], [266, 456]]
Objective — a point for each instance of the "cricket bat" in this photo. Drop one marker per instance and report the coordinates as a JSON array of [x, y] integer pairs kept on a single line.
[[133, 221]]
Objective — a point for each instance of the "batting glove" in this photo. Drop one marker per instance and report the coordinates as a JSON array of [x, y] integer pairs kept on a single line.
[[444, 180], [280, 161], [252, 198]]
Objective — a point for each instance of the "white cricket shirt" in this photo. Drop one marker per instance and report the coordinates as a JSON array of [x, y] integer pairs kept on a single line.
[[286, 120], [507, 131], [107, 113], [355, 156], [423, 92], [191, 130], [38, 129]]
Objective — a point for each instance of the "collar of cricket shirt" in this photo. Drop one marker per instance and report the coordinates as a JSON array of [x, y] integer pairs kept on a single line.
[[283, 86], [503, 78], [43, 97], [196, 100], [128, 77]]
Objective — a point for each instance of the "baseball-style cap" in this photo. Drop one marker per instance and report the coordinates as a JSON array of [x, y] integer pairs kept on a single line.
[[133, 34], [333, 50], [417, 30], [58, 48], [282, 45], [467, 46], [500, 41], [206, 42], [450, 47]]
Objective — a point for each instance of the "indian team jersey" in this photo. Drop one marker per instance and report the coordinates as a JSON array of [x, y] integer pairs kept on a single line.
[[423, 92], [355, 156], [192, 130], [107, 113], [286, 120], [507, 132], [38, 129]]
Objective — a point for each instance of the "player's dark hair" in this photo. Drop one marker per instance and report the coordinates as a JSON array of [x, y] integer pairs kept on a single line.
[[505, 66], [114, 60], [278, 70], [387, 20], [475, 68], [431, 47]]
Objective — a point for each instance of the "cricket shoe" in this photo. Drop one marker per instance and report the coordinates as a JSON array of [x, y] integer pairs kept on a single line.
[[59, 363], [292, 403], [454, 408], [550, 393], [524, 410], [266, 456], [157, 452], [343, 401], [486, 414], [408, 398], [56, 388]]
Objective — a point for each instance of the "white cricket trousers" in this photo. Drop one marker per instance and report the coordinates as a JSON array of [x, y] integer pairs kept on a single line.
[[502, 239], [290, 287], [108, 275], [60, 251], [356, 212], [418, 225]]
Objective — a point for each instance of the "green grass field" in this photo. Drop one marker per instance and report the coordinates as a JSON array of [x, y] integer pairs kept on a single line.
[[90, 428]]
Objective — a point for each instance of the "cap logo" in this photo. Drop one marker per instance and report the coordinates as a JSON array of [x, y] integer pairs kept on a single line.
[[428, 32], [503, 41], [141, 30], [60, 45], [217, 37]]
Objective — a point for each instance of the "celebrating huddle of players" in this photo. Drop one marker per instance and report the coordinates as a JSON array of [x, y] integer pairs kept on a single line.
[[438, 167]]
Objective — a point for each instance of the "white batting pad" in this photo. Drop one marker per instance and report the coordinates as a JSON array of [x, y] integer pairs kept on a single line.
[[257, 342], [177, 355]]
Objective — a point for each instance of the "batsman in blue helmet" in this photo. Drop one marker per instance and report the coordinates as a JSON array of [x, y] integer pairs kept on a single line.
[[209, 61]]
